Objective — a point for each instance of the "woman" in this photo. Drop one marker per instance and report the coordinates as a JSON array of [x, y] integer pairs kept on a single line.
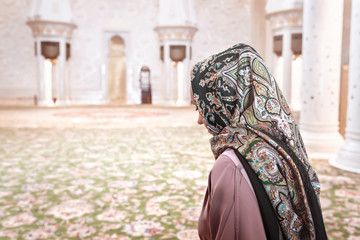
[[262, 185]]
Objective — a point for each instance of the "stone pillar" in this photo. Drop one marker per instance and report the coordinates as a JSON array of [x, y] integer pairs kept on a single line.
[[167, 82], [319, 117], [62, 73], [41, 94], [51, 22], [174, 83], [176, 26], [285, 18], [287, 59], [171, 36], [348, 157], [186, 76]]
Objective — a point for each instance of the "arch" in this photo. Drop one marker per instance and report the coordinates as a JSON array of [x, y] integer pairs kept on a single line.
[[116, 70]]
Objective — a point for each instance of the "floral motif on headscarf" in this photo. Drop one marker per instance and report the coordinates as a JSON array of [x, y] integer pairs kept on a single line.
[[241, 103]]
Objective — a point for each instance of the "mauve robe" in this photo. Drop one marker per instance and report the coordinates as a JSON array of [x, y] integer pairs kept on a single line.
[[230, 210]]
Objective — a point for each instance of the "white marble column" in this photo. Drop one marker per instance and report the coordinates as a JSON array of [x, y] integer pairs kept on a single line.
[[55, 84], [62, 71], [186, 77], [319, 117], [183, 98], [51, 21], [285, 18], [176, 25], [349, 155], [42, 97], [167, 78], [174, 83], [67, 79], [287, 64]]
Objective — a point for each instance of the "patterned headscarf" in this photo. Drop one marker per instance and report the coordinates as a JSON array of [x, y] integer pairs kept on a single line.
[[241, 105]]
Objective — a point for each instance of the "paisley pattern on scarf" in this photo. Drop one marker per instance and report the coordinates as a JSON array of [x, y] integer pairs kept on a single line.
[[240, 100]]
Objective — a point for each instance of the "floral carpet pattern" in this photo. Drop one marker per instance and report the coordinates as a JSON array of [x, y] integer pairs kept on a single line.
[[140, 182]]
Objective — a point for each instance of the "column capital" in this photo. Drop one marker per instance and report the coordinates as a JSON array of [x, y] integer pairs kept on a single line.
[[51, 28], [176, 32], [285, 18]]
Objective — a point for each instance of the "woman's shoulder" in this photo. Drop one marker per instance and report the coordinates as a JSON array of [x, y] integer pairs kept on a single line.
[[227, 156], [227, 164], [226, 161]]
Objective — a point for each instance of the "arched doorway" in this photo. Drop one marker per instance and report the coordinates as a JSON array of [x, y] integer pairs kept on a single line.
[[116, 71]]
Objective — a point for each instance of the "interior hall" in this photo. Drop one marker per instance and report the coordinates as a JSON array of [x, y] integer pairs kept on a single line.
[[98, 139]]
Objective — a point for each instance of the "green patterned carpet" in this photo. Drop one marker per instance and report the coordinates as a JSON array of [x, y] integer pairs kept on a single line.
[[136, 181]]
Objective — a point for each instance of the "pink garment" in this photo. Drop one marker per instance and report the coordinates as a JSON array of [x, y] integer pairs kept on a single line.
[[230, 210]]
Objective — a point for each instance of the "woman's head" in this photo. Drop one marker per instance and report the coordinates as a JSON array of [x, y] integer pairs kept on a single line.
[[233, 90], [221, 90]]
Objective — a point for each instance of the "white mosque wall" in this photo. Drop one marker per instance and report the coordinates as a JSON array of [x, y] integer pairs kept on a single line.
[[18, 64], [97, 22], [224, 23], [220, 24]]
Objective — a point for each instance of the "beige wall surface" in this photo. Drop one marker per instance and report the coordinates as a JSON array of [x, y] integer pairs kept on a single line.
[[18, 68], [223, 23]]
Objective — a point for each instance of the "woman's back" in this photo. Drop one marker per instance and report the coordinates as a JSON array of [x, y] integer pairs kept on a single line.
[[230, 209]]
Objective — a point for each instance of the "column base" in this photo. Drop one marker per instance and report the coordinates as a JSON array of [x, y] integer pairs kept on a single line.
[[183, 103], [50, 103], [170, 103], [63, 103], [348, 157], [322, 145], [45, 103]]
